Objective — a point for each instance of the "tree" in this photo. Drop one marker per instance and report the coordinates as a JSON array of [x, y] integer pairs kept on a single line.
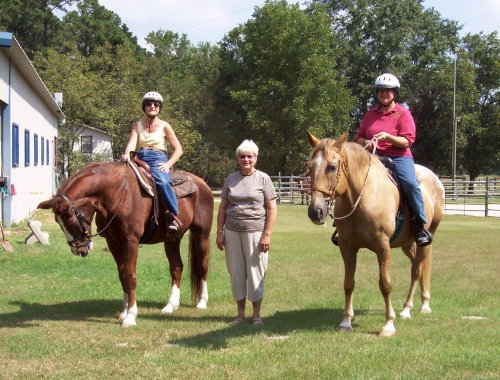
[[279, 71], [92, 26], [380, 36], [479, 126], [33, 22], [70, 74]]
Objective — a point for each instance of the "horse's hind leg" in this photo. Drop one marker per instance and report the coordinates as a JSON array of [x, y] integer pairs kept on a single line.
[[199, 248], [420, 273], [384, 262], [175, 263], [425, 278]]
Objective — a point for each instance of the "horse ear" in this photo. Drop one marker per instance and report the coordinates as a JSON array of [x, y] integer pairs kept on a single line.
[[341, 140], [312, 139], [45, 205]]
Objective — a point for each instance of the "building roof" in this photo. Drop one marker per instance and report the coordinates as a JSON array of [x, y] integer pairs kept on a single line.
[[16, 53]]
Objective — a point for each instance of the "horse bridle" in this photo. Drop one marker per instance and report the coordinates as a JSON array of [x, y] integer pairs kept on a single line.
[[84, 233], [81, 223], [345, 168]]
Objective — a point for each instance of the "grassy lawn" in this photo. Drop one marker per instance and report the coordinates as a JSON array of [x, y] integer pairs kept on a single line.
[[58, 313]]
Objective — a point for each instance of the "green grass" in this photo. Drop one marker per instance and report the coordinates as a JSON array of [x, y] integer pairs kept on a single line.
[[58, 312]]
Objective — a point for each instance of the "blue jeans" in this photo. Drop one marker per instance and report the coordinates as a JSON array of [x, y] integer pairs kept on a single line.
[[162, 179], [405, 171]]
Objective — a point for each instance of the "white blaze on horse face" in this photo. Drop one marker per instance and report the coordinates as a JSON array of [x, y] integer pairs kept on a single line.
[[69, 237], [317, 162]]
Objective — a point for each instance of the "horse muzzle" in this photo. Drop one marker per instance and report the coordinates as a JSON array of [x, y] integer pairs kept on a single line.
[[318, 210], [82, 250]]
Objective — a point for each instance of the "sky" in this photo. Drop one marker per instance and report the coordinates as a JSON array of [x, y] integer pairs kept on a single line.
[[210, 20]]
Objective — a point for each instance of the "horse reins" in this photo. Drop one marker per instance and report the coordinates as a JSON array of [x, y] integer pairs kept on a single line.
[[374, 143], [82, 219]]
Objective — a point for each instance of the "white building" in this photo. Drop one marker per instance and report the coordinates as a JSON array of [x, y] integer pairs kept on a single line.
[[29, 117], [94, 141]]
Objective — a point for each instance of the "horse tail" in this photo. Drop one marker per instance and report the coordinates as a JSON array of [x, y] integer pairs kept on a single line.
[[199, 250]]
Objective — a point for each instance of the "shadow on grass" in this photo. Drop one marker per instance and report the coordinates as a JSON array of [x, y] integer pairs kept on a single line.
[[276, 326], [29, 314], [279, 324]]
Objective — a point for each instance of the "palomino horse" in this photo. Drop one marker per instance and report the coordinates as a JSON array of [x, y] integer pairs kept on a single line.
[[112, 192], [366, 205]]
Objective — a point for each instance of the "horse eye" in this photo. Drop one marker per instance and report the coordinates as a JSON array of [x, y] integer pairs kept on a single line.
[[331, 168]]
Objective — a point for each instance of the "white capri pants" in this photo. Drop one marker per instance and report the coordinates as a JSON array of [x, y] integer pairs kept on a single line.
[[246, 264]]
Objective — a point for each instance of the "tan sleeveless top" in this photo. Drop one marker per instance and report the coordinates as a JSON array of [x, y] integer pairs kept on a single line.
[[154, 139]]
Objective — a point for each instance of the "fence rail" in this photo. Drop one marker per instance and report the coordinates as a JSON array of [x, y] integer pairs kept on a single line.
[[462, 197]]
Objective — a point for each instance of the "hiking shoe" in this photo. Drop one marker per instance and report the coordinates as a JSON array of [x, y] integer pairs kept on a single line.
[[423, 237], [174, 226], [335, 238]]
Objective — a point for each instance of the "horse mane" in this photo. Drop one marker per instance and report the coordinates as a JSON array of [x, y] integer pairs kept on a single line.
[[354, 153], [91, 169]]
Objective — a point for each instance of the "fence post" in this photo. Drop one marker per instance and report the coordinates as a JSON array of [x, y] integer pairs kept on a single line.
[[486, 194]]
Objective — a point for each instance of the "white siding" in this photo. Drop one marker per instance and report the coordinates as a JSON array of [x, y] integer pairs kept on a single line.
[[33, 183]]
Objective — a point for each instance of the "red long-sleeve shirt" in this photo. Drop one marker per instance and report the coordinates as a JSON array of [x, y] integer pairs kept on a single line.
[[397, 122]]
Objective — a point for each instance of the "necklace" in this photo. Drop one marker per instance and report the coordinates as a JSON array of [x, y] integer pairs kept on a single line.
[[247, 175]]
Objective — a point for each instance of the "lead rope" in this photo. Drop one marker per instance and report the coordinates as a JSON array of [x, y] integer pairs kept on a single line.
[[374, 143]]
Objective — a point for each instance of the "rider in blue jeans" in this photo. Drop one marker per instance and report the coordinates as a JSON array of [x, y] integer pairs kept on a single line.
[[150, 135], [394, 128]]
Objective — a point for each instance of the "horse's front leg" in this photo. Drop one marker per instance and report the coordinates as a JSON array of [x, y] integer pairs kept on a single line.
[[176, 266], [126, 265], [384, 263], [349, 256]]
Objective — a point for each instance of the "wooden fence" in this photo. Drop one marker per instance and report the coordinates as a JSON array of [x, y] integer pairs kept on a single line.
[[463, 197]]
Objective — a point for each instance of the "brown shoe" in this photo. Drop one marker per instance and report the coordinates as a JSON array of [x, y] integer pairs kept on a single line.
[[175, 225]]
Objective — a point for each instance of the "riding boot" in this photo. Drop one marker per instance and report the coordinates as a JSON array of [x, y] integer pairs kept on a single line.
[[175, 224], [422, 236], [335, 238]]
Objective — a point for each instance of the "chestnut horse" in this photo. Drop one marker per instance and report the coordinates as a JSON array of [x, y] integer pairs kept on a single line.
[[112, 192], [366, 205]]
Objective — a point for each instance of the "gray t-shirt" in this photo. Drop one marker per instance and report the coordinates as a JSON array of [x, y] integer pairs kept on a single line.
[[246, 196]]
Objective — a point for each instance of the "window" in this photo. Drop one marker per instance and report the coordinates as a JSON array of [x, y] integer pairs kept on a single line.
[[42, 151], [35, 149], [15, 145], [26, 147], [86, 144], [47, 152]]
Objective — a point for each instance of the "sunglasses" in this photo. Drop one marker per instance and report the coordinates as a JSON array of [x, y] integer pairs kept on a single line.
[[151, 104]]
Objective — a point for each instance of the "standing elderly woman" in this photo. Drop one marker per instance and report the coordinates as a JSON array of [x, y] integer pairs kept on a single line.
[[245, 221], [150, 136]]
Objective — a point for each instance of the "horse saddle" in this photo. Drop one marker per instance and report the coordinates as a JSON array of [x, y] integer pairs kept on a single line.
[[183, 185], [181, 181]]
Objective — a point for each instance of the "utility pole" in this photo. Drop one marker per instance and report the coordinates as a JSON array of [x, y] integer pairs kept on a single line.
[[454, 138]]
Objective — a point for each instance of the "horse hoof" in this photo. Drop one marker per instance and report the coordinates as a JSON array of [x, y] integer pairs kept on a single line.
[[405, 314], [345, 329], [387, 332], [129, 323], [346, 326], [122, 316], [425, 309], [202, 305], [169, 309]]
